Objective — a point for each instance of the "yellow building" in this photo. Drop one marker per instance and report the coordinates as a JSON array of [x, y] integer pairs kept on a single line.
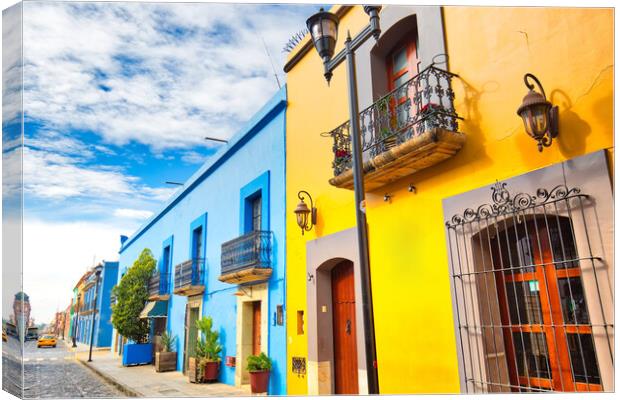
[[491, 261]]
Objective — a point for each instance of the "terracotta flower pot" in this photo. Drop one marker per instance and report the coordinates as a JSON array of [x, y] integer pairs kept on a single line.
[[211, 371], [259, 381]]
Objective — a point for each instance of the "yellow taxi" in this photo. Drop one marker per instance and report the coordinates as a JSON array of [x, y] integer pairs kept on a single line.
[[46, 340]]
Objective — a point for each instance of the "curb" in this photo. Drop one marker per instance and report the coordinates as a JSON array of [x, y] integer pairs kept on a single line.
[[127, 391]]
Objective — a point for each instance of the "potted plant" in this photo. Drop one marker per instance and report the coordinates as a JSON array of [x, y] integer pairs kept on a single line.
[[131, 295], [259, 367], [166, 359], [208, 349]]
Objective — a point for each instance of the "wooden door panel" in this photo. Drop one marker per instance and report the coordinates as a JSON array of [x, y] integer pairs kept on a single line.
[[345, 343]]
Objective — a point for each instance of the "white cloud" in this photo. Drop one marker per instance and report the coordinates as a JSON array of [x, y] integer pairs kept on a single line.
[[131, 213], [192, 157], [210, 76], [50, 175], [66, 250]]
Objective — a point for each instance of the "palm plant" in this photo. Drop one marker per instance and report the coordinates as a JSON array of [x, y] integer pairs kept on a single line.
[[167, 341], [208, 346]]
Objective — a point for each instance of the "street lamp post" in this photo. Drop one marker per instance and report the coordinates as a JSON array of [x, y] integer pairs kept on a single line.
[[92, 325], [76, 320], [323, 27]]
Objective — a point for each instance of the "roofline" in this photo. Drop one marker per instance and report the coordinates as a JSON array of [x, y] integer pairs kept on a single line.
[[299, 54], [274, 106]]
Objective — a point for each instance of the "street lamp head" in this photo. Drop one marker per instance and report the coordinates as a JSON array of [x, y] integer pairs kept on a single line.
[[98, 270], [323, 27], [373, 13]]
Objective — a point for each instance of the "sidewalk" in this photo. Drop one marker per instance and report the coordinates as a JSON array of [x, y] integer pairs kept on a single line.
[[143, 381]]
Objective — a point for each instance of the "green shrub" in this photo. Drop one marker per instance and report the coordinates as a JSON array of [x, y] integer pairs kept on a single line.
[[259, 363], [131, 295]]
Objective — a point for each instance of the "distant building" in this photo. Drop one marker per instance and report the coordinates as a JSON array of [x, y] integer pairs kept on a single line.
[[89, 306], [21, 313]]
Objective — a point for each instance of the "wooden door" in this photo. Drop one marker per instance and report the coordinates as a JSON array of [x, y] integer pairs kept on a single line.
[[547, 328], [345, 344], [256, 337]]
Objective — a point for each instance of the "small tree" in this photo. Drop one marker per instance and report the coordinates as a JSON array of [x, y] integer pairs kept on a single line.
[[131, 295]]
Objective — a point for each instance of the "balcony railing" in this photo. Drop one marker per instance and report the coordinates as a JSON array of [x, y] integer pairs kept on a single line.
[[423, 104], [189, 277], [159, 285], [247, 258]]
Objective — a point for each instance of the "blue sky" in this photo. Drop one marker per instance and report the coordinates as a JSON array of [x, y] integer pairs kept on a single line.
[[118, 98]]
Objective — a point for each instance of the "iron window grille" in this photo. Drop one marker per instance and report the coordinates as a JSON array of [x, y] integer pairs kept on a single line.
[[522, 316], [252, 250]]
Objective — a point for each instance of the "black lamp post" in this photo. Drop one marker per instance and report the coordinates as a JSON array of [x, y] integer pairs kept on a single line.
[[76, 320], [98, 269], [323, 27]]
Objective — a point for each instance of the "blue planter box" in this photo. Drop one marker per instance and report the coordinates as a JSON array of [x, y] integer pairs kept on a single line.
[[135, 354]]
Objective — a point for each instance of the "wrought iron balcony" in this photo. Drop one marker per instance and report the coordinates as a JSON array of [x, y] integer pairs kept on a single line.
[[88, 307], [247, 258], [159, 286], [189, 277], [411, 128]]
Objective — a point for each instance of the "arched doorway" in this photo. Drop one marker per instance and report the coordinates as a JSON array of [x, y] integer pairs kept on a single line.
[[344, 328]]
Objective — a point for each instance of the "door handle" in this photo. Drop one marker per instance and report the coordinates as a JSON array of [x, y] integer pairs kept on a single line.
[[348, 327]]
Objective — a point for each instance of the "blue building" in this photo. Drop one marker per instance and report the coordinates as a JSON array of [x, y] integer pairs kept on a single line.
[[95, 306], [220, 247]]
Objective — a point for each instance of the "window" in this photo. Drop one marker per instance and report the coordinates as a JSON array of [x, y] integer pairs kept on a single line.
[[166, 260], [197, 241], [402, 63], [521, 282], [256, 213]]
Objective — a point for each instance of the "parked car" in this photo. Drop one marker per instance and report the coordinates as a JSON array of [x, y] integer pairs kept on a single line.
[[5, 338], [46, 340]]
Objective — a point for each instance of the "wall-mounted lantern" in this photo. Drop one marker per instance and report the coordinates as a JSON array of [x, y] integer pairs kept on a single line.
[[539, 116], [302, 212]]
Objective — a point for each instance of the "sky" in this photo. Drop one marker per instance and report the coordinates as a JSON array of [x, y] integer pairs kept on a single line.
[[118, 98]]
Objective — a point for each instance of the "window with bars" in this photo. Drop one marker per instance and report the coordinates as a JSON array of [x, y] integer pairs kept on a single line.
[[522, 316]]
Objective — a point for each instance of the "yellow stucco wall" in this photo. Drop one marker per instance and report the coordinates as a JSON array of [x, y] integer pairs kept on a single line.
[[569, 50]]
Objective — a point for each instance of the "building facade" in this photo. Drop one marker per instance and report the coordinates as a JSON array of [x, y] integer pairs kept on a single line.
[[220, 243], [491, 263], [95, 304]]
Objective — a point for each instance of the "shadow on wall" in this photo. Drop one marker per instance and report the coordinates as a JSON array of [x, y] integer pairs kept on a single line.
[[471, 113], [573, 130]]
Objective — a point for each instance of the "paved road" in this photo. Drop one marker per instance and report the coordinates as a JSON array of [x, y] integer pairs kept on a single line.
[[53, 373]]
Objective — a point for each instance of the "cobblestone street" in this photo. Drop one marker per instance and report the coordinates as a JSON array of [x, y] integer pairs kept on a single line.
[[54, 373]]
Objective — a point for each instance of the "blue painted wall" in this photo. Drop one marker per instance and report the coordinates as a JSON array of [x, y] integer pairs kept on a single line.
[[214, 197]]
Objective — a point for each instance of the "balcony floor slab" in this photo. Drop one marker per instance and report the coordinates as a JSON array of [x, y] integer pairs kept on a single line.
[[420, 152]]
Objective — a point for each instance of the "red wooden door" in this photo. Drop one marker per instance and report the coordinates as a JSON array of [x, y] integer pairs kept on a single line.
[[542, 305], [256, 328], [345, 349]]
